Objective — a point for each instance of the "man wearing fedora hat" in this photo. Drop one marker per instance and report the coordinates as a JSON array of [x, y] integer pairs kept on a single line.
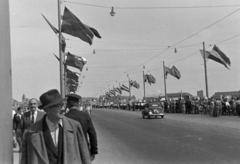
[[55, 139], [84, 119]]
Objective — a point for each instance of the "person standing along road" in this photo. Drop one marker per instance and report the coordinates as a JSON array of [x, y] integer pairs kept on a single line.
[[55, 139], [16, 123], [29, 117], [85, 120]]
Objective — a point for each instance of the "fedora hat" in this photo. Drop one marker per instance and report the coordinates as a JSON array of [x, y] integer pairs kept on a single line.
[[50, 98], [73, 97]]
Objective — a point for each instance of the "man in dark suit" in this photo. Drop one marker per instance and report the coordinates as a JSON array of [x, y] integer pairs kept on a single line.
[[29, 117], [55, 139], [84, 119]]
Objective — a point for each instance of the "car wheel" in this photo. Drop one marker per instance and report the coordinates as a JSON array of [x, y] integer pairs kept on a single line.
[[143, 116], [162, 116], [155, 116]]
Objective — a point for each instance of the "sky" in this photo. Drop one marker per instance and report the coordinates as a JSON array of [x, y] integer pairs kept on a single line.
[[142, 32]]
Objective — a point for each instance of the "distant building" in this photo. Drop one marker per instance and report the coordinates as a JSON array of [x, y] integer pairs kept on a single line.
[[200, 94], [220, 95]]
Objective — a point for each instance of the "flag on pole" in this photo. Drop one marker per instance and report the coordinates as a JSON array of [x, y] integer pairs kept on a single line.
[[72, 81], [72, 88], [73, 26], [173, 71], [134, 84], [123, 87], [150, 79], [112, 92], [75, 61], [72, 75], [118, 90], [63, 42], [218, 56]]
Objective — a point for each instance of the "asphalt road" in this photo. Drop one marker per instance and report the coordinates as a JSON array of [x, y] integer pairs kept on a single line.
[[125, 138]]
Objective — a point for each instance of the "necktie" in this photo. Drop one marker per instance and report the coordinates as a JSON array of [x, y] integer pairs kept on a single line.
[[33, 117]]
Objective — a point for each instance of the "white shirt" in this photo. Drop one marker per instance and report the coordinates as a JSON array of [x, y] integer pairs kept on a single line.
[[35, 115], [54, 130]]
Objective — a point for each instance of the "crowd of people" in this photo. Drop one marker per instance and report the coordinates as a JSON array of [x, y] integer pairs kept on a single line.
[[206, 106], [59, 131]]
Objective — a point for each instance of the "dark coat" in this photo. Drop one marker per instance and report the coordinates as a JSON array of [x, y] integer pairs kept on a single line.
[[16, 121], [87, 126], [26, 120], [75, 149]]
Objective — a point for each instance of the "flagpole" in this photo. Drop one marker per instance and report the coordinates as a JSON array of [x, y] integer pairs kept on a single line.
[[205, 68], [62, 83], [165, 87], [129, 87], [6, 137], [144, 86]]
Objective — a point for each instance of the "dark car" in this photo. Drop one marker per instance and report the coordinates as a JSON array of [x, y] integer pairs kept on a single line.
[[153, 109]]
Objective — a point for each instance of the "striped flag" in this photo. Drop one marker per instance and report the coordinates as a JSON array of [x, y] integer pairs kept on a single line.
[[123, 87], [118, 90], [112, 92]]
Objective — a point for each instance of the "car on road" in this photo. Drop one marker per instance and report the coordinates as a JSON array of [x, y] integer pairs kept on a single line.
[[153, 109]]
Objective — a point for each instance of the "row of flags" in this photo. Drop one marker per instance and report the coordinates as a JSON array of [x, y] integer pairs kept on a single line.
[[73, 26]]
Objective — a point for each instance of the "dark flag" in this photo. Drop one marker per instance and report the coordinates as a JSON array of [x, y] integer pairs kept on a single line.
[[134, 84], [175, 72], [56, 32], [73, 26], [72, 81], [151, 79], [72, 88], [167, 70], [123, 87], [218, 56], [72, 75], [75, 61]]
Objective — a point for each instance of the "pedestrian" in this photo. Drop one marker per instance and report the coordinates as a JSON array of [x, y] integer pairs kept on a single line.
[[16, 123], [55, 139], [29, 117], [85, 121]]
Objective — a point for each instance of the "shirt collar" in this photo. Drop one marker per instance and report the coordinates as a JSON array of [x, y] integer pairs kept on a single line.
[[51, 124]]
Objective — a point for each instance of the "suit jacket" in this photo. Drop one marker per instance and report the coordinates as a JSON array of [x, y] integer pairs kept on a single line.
[[16, 121], [26, 120], [75, 150], [87, 126]]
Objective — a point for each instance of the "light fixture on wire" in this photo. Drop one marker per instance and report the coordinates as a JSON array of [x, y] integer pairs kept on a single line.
[[86, 69], [94, 52], [112, 13], [175, 50], [143, 66]]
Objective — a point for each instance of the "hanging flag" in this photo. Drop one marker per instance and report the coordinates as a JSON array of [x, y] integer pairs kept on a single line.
[[63, 42], [207, 54], [167, 70], [72, 75], [216, 53], [145, 77], [112, 92], [134, 84], [175, 72], [72, 81], [123, 87], [151, 79], [118, 90], [73, 26], [72, 88], [75, 61]]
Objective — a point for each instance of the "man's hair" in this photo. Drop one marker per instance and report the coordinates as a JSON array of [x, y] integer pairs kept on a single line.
[[71, 104], [19, 108]]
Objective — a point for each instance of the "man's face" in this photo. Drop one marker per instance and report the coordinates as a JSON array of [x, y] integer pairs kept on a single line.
[[33, 104], [56, 111], [20, 111]]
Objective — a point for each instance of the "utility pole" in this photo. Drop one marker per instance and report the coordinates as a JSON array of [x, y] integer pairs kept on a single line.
[[205, 68], [6, 136], [165, 87], [129, 87], [61, 54], [144, 84]]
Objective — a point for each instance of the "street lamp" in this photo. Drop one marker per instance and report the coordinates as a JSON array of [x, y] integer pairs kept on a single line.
[[112, 13]]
